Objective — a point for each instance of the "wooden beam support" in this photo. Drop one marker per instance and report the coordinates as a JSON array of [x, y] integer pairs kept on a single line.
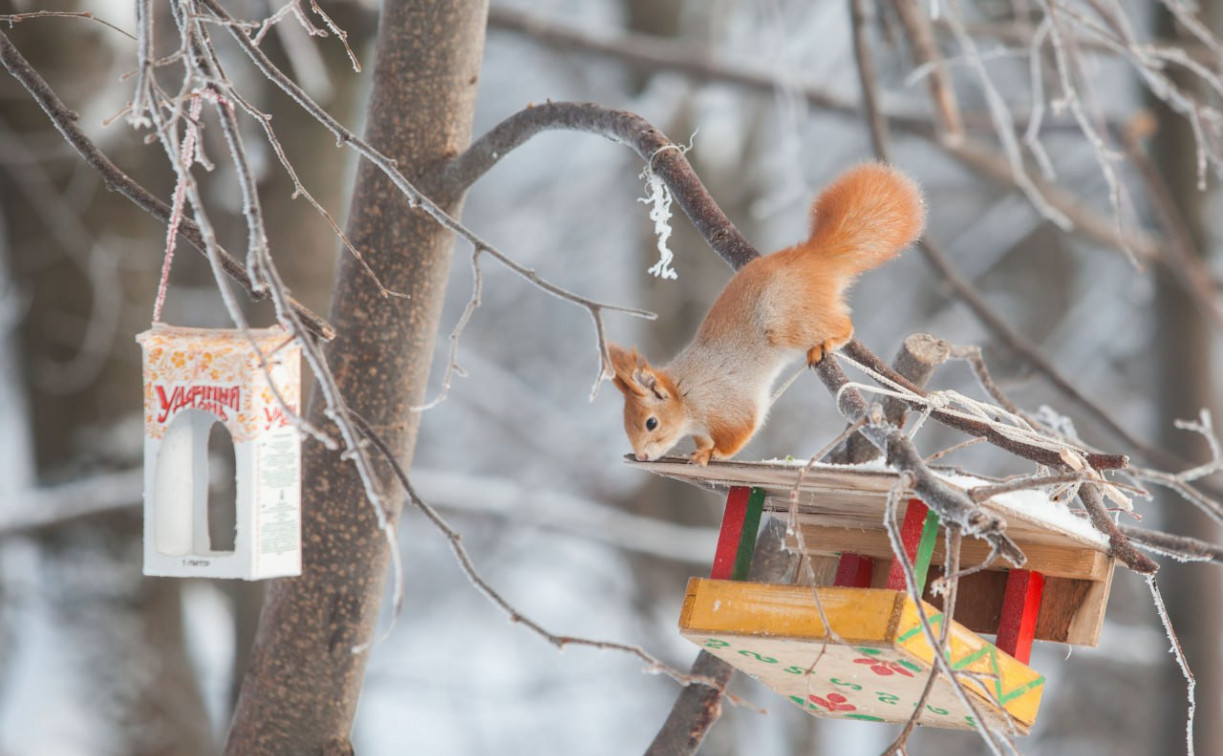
[[1020, 608], [918, 534], [731, 533], [737, 539], [747, 538], [854, 571]]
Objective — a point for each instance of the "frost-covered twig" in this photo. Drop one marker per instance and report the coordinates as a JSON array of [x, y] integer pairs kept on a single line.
[[12, 19], [64, 120], [996, 741], [415, 197], [926, 53], [951, 504], [1205, 428], [454, 539], [1180, 548], [948, 585], [1182, 662], [976, 418], [1004, 125]]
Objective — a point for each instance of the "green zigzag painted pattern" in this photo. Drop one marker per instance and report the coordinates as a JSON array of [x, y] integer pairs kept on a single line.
[[989, 650]]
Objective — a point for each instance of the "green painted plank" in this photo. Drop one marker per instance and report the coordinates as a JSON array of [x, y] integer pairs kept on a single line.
[[925, 550], [747, 539]]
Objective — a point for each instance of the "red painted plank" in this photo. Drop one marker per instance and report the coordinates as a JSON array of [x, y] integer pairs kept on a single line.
[[731, 533], [854, 571], [1020, 606], [910, 536]]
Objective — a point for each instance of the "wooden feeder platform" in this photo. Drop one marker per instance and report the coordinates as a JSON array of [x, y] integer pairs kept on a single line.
[[774, 632]]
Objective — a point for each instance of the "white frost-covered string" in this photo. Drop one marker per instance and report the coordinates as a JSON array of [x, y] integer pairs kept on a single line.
[[658, 197]]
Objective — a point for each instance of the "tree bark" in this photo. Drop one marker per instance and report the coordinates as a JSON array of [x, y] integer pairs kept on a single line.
[[301, 692]]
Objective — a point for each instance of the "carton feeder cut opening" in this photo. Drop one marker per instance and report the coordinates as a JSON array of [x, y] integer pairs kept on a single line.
[[194, 498], [222, 491]]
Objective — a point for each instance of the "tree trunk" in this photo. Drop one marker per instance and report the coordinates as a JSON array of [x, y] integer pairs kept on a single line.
[[302, 689]]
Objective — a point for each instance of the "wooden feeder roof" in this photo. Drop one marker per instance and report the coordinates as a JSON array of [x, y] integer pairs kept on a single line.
[[854, 496]]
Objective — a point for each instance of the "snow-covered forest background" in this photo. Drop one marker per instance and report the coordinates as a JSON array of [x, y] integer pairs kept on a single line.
[[96, 659]]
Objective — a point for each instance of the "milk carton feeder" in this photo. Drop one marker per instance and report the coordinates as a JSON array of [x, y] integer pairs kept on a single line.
[[195, 379]]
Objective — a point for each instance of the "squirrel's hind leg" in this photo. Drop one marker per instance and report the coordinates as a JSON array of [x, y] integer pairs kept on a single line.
[[835, 338]]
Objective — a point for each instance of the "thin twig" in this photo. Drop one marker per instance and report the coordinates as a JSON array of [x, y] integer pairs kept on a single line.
[[64, 121], [1178, 547], [926, 53], [12, 19], [415, 197], [454, 539]]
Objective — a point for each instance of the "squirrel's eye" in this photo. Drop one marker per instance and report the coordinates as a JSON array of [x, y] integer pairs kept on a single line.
[[651, 424]]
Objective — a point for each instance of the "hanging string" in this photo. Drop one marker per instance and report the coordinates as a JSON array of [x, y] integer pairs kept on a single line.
[[180, 191]]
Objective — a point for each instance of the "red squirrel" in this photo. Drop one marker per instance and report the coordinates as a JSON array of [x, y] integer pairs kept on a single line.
[[775, 309]]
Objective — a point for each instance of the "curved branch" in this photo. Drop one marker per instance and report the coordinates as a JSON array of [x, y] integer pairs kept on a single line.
[[663, 156]]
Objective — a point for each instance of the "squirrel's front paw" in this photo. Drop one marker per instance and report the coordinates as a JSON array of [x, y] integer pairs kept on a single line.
[[701, 457]]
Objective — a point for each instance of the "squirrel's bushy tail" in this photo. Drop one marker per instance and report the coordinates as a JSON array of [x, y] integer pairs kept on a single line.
[[865, 218]]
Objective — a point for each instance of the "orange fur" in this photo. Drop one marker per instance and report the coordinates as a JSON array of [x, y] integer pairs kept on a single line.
[[776, 308]]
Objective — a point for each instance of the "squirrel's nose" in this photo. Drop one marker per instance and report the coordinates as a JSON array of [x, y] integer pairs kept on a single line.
[[641, 456]]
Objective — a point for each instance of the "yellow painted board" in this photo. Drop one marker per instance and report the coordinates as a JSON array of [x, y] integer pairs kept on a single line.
[[875, 671]]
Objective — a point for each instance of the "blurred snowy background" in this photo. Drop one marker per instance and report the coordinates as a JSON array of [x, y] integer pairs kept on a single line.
[[95, 659]]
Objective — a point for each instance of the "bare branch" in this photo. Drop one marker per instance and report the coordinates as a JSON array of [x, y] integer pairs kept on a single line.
[[12, 19], [1179, 653], [926, 53], [1044, 455], [699, 706], [415, 196], [859, 16], [483, 586], [1178, 547], [942, 665]]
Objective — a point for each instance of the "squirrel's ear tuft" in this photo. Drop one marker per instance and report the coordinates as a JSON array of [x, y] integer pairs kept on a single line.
[[645, 377], [624, 368]]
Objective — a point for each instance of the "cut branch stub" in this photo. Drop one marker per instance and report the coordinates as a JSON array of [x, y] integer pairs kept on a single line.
[[919, 356]]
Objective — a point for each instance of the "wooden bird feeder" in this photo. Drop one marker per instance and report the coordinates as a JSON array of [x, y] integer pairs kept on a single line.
[[882, 661], [196, 378]]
